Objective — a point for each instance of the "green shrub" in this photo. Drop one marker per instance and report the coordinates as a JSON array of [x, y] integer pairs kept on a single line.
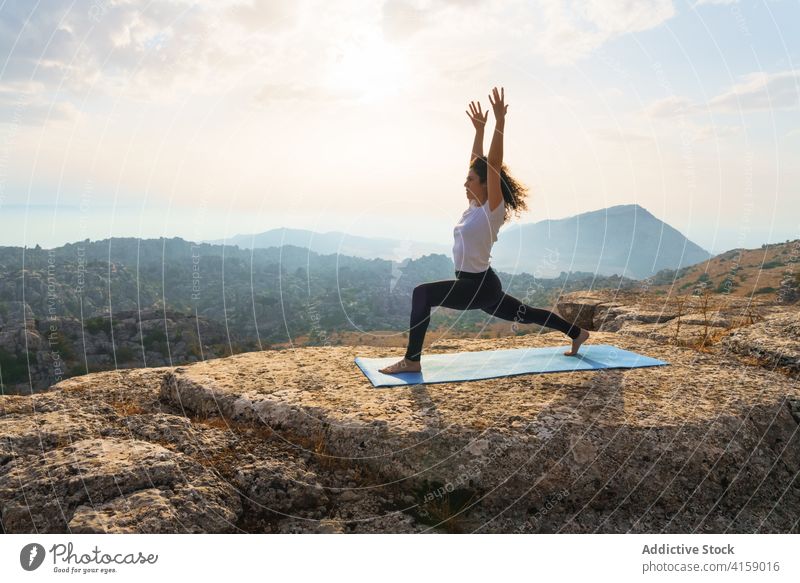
[[153, 337], [124, 354], [62, 346], [772, 264], [13, 367], [726, 285], [98, 324], [76, 370]]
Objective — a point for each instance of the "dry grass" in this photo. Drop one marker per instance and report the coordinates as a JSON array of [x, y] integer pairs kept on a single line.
[[324, 458], [127, 408], [449, 511], [711, 334], [680, 301], [215, 422], [257, 434]]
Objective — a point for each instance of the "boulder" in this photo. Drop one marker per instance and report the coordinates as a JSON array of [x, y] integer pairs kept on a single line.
[[108, 485], [279, 486], [580, 307], [775, 340]]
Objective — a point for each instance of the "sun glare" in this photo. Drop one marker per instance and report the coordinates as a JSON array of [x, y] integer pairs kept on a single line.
[[371, 69]]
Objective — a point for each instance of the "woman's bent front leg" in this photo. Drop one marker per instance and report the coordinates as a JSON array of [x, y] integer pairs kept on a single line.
[[458, 294]]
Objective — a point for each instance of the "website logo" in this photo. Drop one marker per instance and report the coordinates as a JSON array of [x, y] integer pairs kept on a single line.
[[31, 556]]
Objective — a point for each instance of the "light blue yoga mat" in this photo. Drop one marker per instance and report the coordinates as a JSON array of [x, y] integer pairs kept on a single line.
[[489, 364]]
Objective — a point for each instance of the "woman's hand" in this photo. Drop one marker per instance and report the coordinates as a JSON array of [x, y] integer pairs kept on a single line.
[[498, 106], [477, 116]]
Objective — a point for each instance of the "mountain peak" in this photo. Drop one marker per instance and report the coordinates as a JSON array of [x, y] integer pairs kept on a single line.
[[624, 239], [619, 209]]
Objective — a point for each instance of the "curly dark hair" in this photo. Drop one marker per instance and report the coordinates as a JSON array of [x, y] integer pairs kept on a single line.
[[514, 192]]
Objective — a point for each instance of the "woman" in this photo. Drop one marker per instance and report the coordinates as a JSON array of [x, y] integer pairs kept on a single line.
[[491, 194]]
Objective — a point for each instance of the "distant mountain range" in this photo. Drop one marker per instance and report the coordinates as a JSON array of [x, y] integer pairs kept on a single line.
[[625, 240], [334, 242]]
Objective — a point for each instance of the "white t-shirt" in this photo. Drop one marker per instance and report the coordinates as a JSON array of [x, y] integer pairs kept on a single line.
[[474, 236]]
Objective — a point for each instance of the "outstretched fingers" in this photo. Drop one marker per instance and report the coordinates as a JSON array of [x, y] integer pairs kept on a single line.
[[498, 105], [476, 113]]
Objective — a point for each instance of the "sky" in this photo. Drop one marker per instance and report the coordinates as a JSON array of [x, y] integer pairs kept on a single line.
[[204, 120]]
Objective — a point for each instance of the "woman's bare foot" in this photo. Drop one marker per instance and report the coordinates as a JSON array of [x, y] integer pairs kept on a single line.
[[576, 343], [404, 365]]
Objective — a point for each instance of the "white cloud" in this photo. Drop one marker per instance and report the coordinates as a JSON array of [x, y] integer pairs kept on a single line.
[[612, 93], [672, 106], [620, 136], [273, 92], [760, 91], [21, 102], [146, 47], [718, 2], [38, 112], [165, 50], [401, 19], [756, 92], [714, 132], [572, 30], [263, 16]]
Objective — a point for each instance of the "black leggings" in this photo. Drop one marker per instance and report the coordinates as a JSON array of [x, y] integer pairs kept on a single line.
[[471, 291]]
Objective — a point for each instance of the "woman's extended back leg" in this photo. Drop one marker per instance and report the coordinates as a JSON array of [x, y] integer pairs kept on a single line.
[[511, 309]]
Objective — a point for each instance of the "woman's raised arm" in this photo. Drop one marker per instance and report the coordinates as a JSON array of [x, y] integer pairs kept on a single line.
[[496, 149], [479, 121], [495, 158]]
